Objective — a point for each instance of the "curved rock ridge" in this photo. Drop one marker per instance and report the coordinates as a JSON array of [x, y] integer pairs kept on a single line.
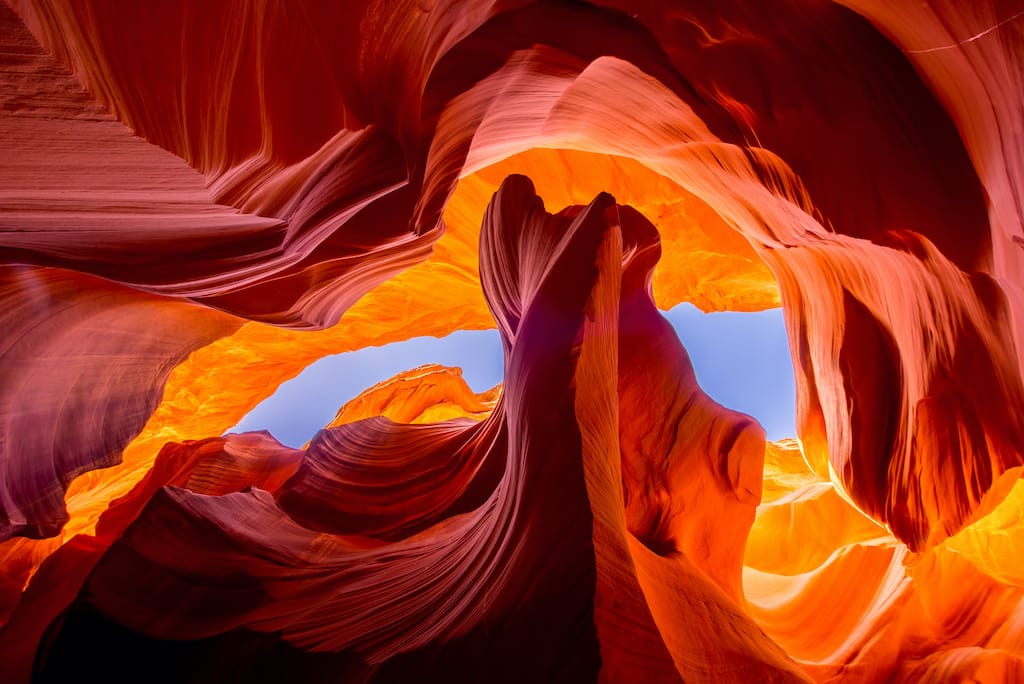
[[428, 394], [444, 524], [690, 104], [196, 201]]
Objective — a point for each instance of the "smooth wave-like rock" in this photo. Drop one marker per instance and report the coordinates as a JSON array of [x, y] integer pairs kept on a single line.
[[428, 394], [460, 550], [80, 356], [197, 200]]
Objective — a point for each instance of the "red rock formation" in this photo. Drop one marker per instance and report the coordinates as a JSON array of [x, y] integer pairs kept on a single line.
[[444, 524], [198, 200]]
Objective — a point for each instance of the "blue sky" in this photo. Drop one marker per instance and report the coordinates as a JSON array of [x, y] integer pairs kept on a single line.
[[742, 360]]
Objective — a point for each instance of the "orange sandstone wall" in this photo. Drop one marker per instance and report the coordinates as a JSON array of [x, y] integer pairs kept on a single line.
[[199, 199]]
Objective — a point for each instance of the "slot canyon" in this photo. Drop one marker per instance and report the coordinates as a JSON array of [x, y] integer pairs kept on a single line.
[[200, 199]]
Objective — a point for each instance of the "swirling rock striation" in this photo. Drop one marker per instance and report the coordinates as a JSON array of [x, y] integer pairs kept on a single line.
[[198, 200]]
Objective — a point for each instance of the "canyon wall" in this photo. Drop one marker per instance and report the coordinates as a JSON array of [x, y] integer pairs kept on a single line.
[[197, 200]]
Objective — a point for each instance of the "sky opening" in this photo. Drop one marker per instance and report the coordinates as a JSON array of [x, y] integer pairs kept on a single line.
[[742, 361]]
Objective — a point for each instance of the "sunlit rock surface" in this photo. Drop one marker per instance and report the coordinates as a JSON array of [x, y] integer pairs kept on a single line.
[[197, 200]]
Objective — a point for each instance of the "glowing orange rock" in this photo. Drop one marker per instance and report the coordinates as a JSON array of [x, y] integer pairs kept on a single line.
[[428, 394], [458, 505], [326, 167]]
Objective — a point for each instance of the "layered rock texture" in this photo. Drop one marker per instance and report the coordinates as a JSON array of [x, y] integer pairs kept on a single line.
[[198, 199]]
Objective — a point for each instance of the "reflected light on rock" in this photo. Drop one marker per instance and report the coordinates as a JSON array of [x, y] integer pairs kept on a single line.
[[199, 200]]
